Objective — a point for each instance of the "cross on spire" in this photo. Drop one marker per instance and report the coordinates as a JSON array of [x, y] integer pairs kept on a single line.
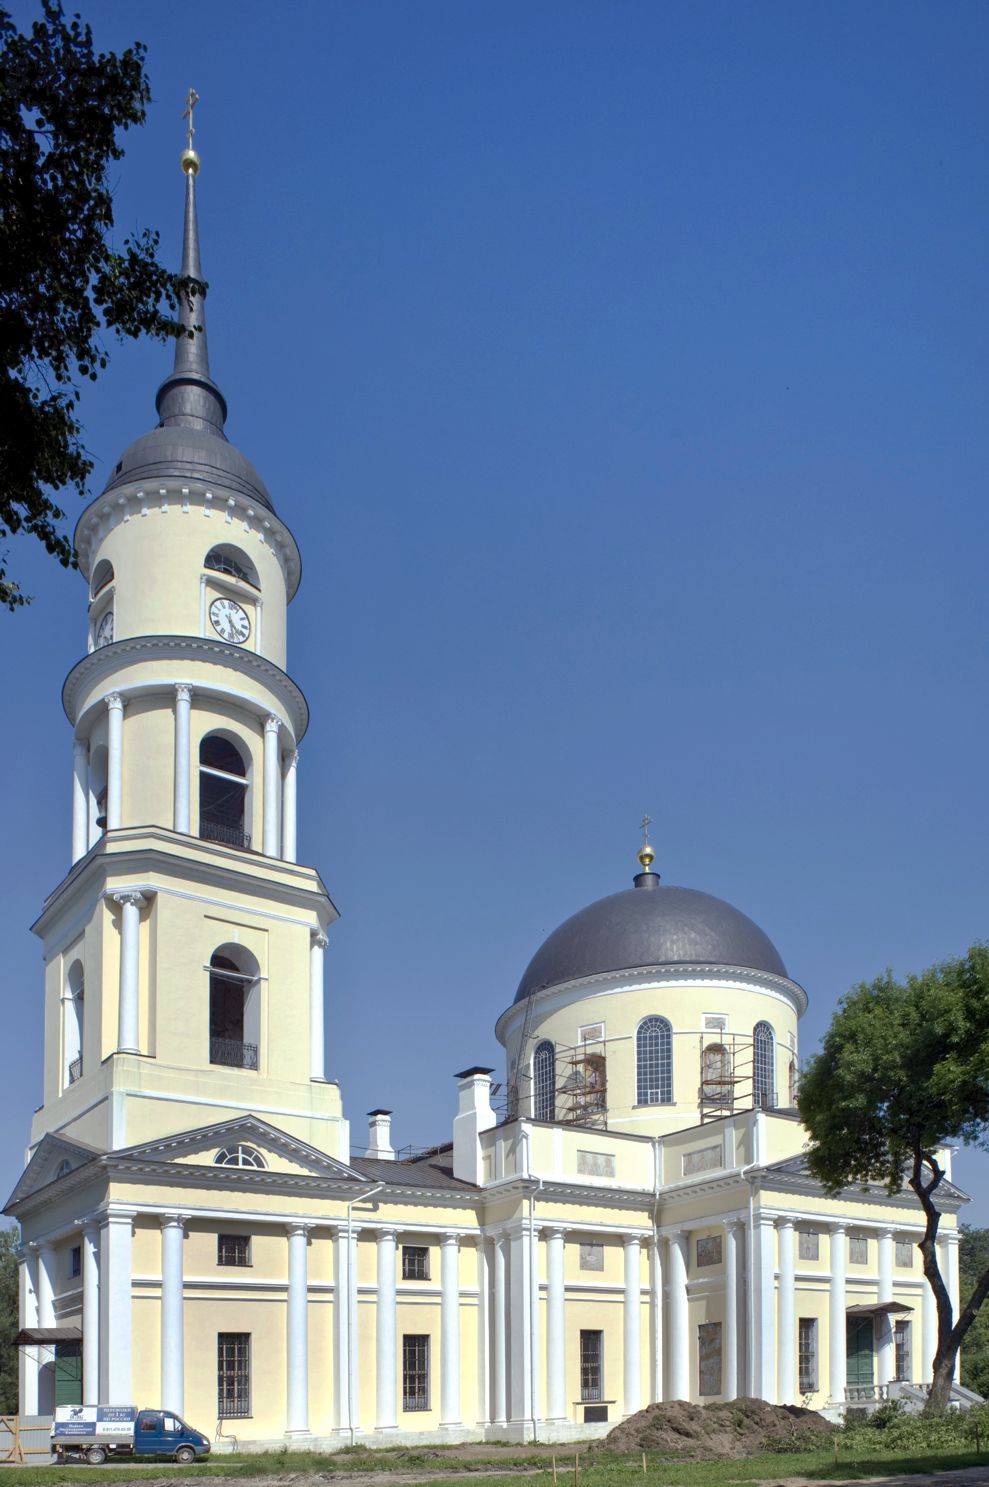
[[644, 826], [190, 103]]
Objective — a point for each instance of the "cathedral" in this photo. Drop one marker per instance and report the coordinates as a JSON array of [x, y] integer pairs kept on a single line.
[[198, 1235]]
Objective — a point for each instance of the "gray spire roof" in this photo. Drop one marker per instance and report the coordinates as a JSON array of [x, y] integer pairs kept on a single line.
[[189, 440]]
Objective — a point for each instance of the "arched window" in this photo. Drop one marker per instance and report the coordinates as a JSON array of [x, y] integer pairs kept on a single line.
[[98, 766], [233, 562], [717, 1087], [544, 1082], [240, 1155], [222, 792], [234, 1008], [654, 1062], [73, 1022], [102, 575], [763, 1067]]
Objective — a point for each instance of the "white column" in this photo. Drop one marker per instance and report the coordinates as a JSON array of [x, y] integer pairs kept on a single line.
[[556, 1342], [952, 1281], [519, 1322], [29, 1316], [679, 1334], [631, 1328], [656, 1392], [90, 1313], [500, 1329], [272, 788], [183, 714], [355, 1362], [928, 1336], [297, 1325], [837, 1376], [386, 1337], [80, 798], [317, 1053], [116, 1250], [450, 1329], [289, 849], [115, 761], [128, 1020], [762, 1287], [535, 1410], [341, 1326], [46, 1285], [172, 1314], [786, 1363], [885, 1351], [733, 1230]]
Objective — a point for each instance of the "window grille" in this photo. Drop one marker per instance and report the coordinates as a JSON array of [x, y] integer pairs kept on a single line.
[[233, 1375], [807, 1354], [75, 1069], [764, 1067], [415, 1262], [415, 1371], [808, 1244], [544, 1082], [233, 1249], [233, 1054], [904, 1253], [591, 1365], [904, 1362], [239, 1156], [654, 1062]]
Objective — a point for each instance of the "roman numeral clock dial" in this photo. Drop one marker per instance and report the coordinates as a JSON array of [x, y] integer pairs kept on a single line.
[[229, 621]]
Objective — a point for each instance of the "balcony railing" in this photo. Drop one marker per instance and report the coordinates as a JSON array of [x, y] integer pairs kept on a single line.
[[75, 1069], [228, 836], [232, 1053]]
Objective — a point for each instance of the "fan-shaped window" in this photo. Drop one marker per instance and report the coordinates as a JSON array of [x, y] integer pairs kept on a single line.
[[234, 563], [240, 1155], [234, 1008], [102, 575], [764, 1067], [222, 792], [544, 1082], [654, 1062], [73, 1021]]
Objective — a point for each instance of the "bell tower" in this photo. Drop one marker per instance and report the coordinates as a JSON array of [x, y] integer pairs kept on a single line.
[[184, 948]]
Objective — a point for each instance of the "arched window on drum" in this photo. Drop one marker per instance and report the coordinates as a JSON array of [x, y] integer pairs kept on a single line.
[[764, 1067], [654, 1062], [544, 1081]]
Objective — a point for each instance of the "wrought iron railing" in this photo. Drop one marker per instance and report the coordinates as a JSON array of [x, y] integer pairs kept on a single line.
[[232, 1053], [228, 836], [75, 1069]]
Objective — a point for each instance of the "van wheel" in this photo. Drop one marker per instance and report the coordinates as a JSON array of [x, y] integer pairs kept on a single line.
[[96, 1455], [185, 1454]]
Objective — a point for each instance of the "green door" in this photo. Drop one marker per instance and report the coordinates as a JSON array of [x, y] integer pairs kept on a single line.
[[859, 1353], [68, 1373]]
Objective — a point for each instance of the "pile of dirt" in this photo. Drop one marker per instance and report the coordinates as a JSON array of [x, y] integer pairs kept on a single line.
[[740, 1427]]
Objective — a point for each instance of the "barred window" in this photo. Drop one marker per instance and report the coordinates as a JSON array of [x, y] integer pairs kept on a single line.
[[654, 1062], [233, 1249], [904, 1253], [807, 1354], [808, 1244], [544, 1082], [415, 1371], [239, 1156], [764, 1067], [591, 1365], [233, 1375], [904, 1361], [415, 1262], [858, 1249]]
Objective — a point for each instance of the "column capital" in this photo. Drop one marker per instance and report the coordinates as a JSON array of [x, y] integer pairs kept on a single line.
[[173, 1220], [183, 691], [449, 1240], [734, 1226], [89, 1226], [554, 1231], [319, 939], [297, 1226], [629, 1239], [837, 1226], [130, 896], [785, 1221], [386, 1233], [272, 724], [114, 702]]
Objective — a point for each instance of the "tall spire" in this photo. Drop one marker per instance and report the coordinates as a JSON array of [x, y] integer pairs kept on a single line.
[[189, 397]]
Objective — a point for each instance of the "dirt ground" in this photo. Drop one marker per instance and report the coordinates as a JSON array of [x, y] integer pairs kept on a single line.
[[741, 1427]]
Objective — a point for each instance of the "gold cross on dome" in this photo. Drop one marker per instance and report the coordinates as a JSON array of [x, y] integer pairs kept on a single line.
[[644, 826], [190, 103]]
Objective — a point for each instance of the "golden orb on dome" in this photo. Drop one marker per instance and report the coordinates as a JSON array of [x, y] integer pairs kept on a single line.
[[646, 856], [190, 162]]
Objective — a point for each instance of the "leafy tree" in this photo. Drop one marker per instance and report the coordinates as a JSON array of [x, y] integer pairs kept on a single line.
[[61, 282], [903, 1069], [8, 1320], [973, 1260]]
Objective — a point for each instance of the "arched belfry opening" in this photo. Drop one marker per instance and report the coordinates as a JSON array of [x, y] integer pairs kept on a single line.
[[234, 1008], [73, 1023], [223, 784]]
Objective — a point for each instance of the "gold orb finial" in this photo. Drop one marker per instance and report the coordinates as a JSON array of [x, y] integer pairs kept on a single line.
[[645, 854], [190, 162]]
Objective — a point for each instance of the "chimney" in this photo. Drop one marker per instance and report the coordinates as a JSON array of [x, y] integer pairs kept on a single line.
[[379, 1135], [473, 1116]]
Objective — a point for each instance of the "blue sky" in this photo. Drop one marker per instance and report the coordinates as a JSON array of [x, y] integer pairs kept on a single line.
[[621, 372]]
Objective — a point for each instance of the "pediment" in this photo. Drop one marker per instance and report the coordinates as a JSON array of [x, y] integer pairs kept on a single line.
[[245, 1147], [52, 1159]]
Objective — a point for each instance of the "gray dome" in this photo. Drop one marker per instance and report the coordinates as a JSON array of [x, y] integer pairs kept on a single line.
[[649, 925], [177, 451]]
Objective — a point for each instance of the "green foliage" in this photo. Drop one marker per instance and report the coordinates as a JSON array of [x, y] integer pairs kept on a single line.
[[61, 284], [973, 1260], [8, 1320]]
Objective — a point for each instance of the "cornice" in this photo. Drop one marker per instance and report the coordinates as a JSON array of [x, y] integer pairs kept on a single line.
[[139, 650]]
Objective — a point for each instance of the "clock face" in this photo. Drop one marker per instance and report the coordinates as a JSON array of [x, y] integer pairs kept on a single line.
[[104, 630], [229, 621]]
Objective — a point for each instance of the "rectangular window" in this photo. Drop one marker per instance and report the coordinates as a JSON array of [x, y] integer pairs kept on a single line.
[[904, 1361], [591, 1365], [904, 1253], [233, 1249], [709, 1358], [807, 1354], [233, 1375], [858, 1249], [75, 1261], [415, 1262], [592, 1257], [415, 1371], [808, 1244], [709, 1251]]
